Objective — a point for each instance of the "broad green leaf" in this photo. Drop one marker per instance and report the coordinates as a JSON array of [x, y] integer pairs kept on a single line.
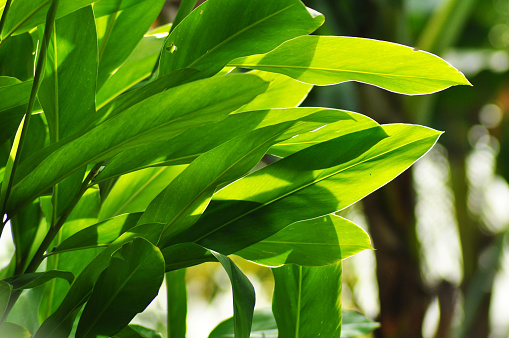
[[120, 32], [133, 192], [101, 233], [183, 149], [125, 288], [5, 294], [13, 92], [264, 326], [13, 330], [307, 301], [137, 331], [59, 324], [212, 170], [316, 181], [25, 15], [24, 227], [355, 325], [176, 300], [283, 92], [106, 7], [25, 311], [203, 42], [32, 280], [326, 60], [243, 297], [159, 117], [315, 242], [138, 66]]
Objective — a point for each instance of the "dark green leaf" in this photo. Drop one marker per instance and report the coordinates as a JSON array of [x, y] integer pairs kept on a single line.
[[355, 324], [326, 60], [307, 301], [203, 42], [60, 323], [176, 296], [106, 7], [184, 255], [5, 294], [159, 117], [137, 331], [32, 280], [17, 57], [243, 297], [125, 288], [315, 242], [316, 181], [14, 93], [264, 326]]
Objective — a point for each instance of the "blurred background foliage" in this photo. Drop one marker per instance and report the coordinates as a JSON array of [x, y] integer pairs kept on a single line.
[[440, 268]]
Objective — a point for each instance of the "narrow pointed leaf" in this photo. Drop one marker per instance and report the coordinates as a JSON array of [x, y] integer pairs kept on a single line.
[[185, 255], [101, 233], [13, 92], [307, 301], [159, 117], [202, 42], [32, 280], [137, 331], [243, 297], [315, 242], [125, 288], [120, 32], [326, 60], [316, 181]]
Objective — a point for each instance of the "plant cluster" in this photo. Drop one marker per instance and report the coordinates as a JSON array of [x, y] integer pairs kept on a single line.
[[128, 156]]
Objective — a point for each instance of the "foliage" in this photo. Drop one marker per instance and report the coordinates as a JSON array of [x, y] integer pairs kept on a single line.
[[128, 156]]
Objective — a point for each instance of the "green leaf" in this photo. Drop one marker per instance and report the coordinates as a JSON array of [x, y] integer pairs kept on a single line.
[[316, 181], [159, 117], [355, 324], [264, 326], [60, 323], [243, 297], [25, 15], [120, 32], [13, 330], [124, 289], [17, 57], [202, 42], [212, 170], [138, 66], [5, 294], [283, 92], [32, 280], [137, 331], [101, 233], [307, 301], [133, 192], [315, 242], [106, 7], [186, 7], [14, 93], [176, 300], [326, 60], [184, 255], [183, 149]]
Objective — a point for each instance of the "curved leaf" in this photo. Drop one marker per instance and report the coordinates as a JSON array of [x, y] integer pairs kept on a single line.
[[264, 326], [315, 242], [326, 60], [13, 330], [125, 288], [32, 280]]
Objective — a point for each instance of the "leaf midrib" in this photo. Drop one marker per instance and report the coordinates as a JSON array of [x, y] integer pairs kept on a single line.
[[339, 70]]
